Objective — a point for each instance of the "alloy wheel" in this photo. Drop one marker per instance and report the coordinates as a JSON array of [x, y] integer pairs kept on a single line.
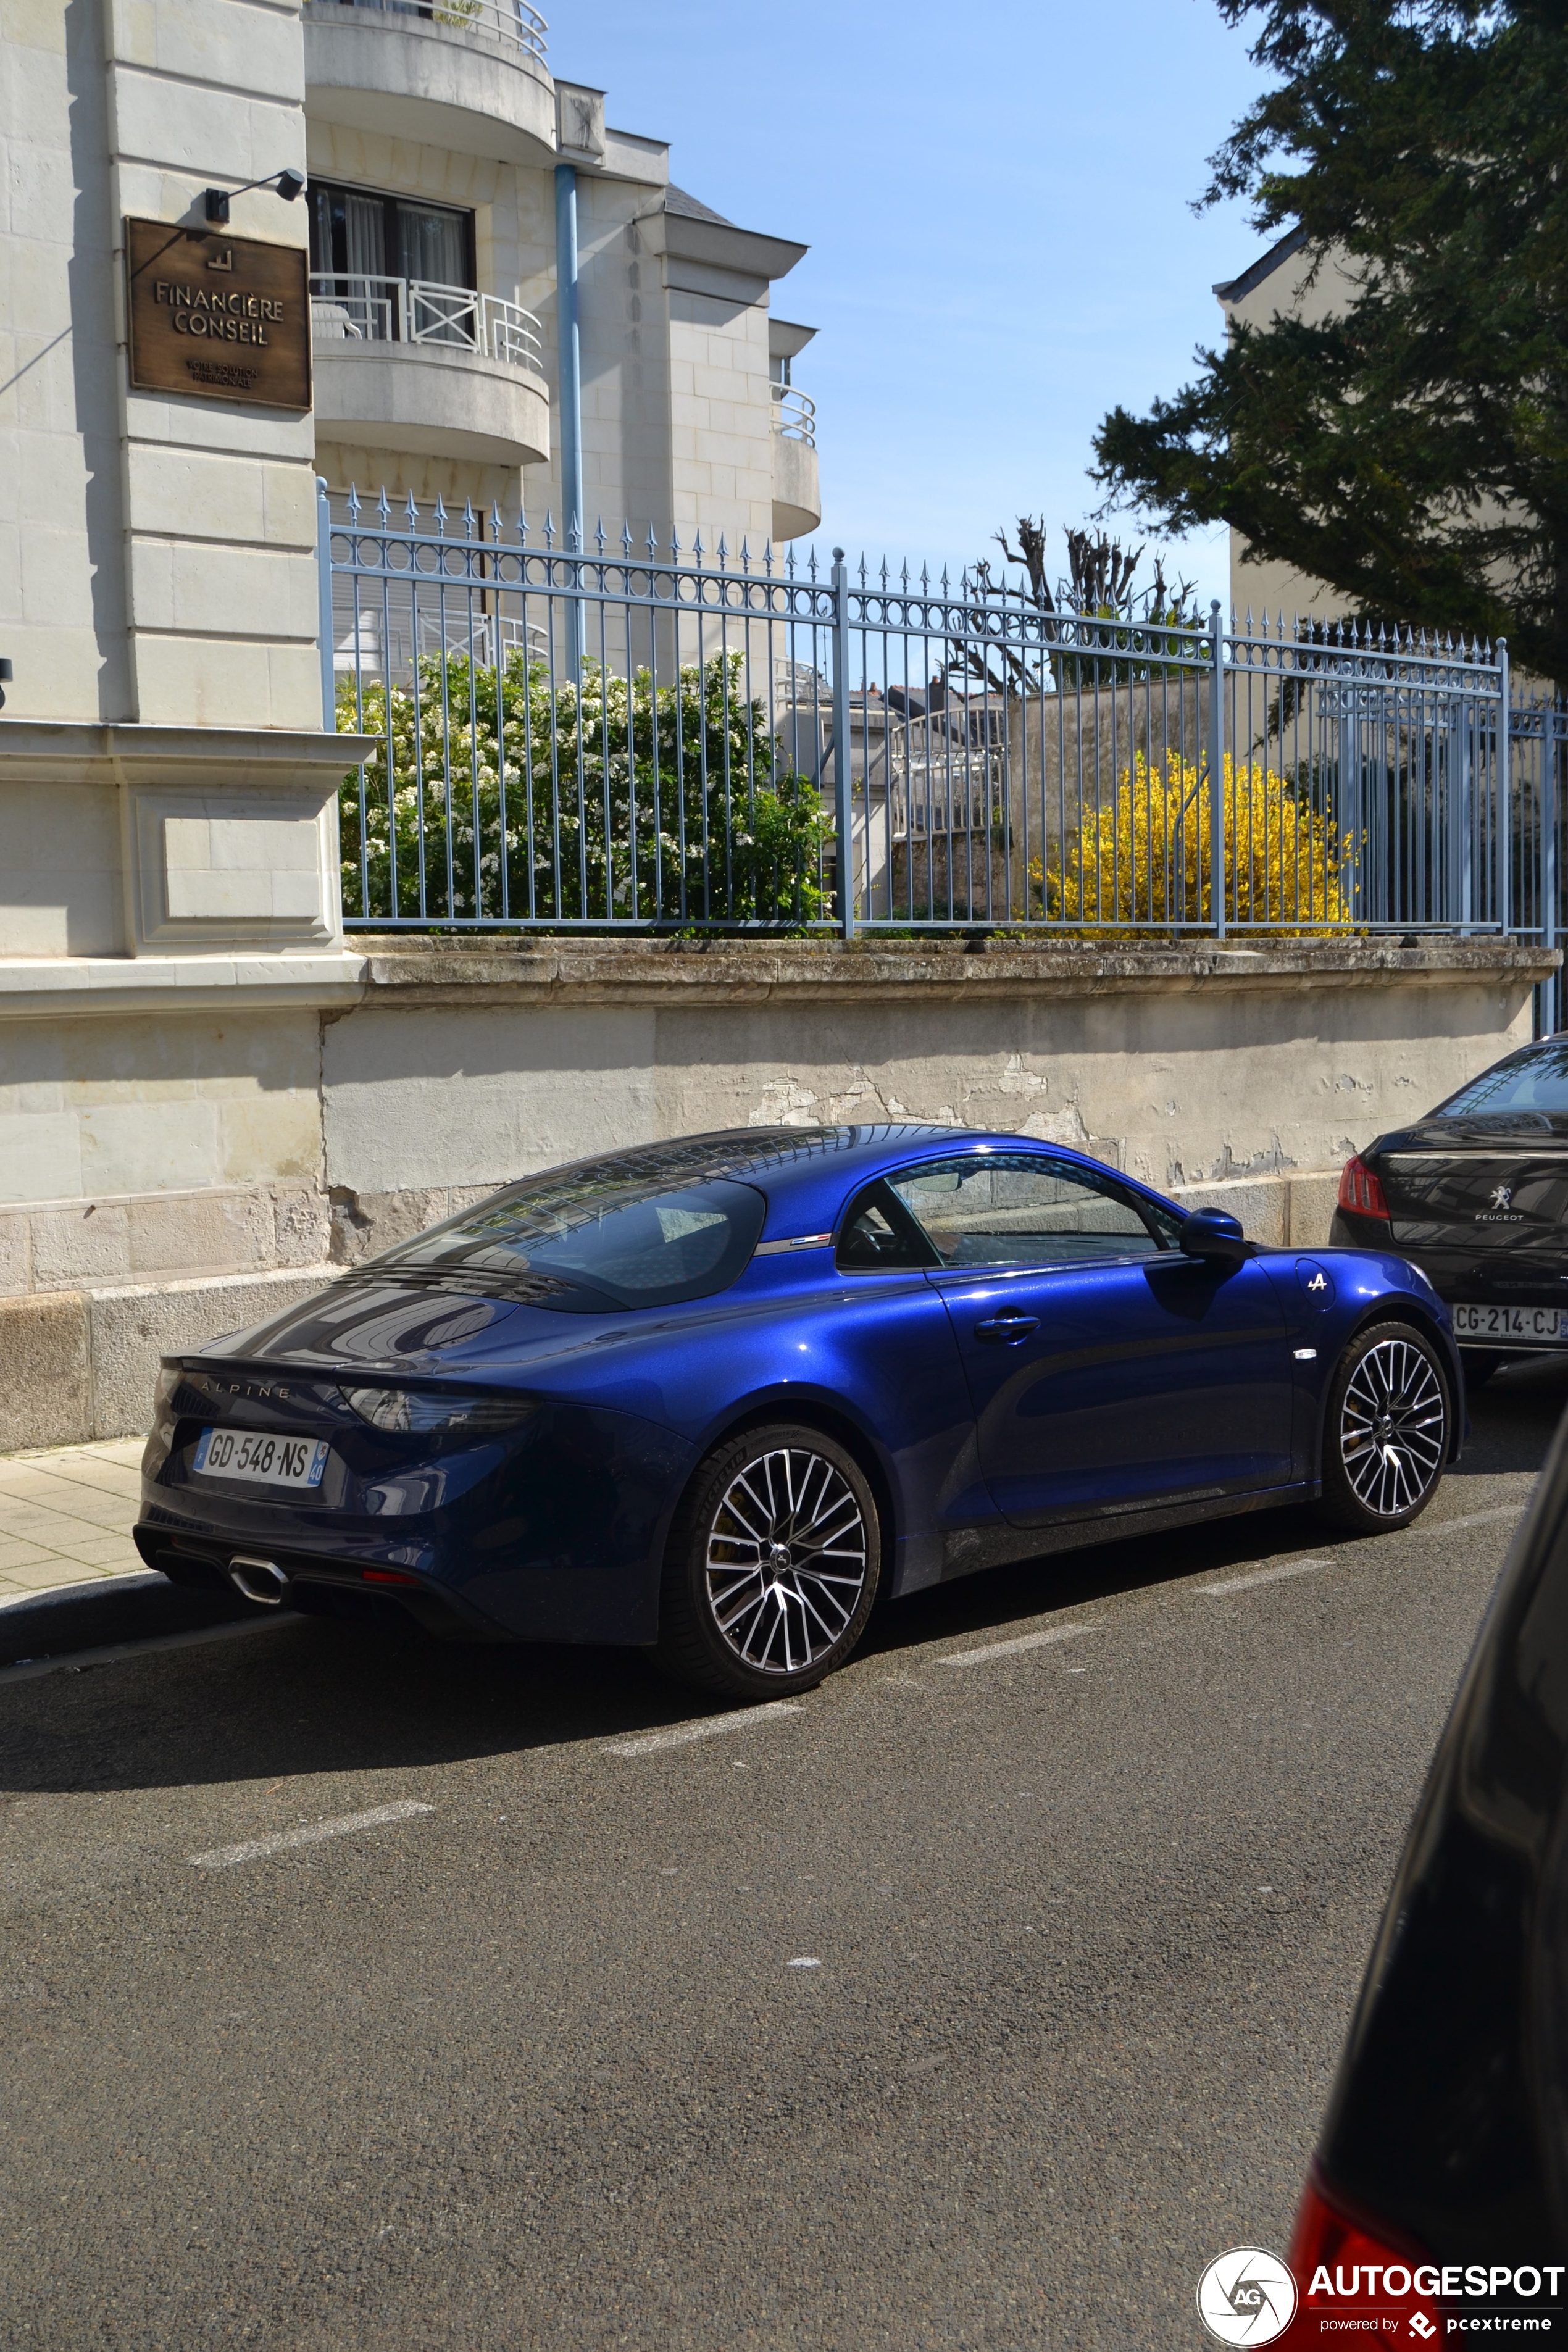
[[786, 1560], [1394, 1428]]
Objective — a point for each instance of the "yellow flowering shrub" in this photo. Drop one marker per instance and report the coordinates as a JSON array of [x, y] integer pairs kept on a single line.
[[1144, 861]]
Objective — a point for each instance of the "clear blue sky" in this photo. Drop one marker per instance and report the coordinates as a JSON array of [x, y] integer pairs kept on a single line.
[[996, 197]]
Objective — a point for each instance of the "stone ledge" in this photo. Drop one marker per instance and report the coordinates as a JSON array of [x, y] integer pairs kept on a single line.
[[64, 987], [429, 971], [434, 971], [74, 750]]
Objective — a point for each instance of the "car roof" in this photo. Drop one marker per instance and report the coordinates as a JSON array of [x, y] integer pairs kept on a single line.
[[804, 1170]]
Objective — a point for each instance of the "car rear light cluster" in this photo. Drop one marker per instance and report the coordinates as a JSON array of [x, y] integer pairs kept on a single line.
[[1348, 2275], [1361, 1192], [427, 1411]]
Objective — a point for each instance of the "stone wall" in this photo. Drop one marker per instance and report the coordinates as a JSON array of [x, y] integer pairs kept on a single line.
[[189, 1171]]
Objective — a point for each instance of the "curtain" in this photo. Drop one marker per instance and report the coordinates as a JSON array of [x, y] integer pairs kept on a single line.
[[432, 243]]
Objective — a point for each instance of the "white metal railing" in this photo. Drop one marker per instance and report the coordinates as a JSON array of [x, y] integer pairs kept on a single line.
[[365, 310], [795, 415], [513, 20]]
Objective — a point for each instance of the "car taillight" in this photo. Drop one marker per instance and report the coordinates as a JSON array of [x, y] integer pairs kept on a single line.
[[1347, 2271], [1361, 1191]]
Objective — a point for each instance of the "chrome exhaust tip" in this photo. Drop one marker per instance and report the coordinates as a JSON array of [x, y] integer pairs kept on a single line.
[[258, 1580]]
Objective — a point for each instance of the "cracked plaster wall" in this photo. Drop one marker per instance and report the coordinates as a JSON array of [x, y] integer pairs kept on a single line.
[[1183, 1087]]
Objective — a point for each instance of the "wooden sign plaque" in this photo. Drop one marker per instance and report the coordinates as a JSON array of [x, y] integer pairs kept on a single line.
[[225, 317]]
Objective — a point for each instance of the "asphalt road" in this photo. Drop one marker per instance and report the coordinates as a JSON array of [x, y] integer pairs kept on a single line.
[[976, 2004]]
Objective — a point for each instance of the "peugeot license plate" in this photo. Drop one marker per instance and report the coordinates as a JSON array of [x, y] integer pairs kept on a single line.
[[260, 1457], [1542, 1324]]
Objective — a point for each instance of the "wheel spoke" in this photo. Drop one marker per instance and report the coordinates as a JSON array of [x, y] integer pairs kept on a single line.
[[1393, 1428], [787, 1559]]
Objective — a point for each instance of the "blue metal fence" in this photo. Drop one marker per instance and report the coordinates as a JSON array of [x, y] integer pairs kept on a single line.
[[635, 736]]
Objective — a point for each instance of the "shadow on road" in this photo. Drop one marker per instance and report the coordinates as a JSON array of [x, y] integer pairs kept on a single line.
[[311, 1696]]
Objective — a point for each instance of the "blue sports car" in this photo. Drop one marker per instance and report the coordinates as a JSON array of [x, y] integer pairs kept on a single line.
[[711, 1396]]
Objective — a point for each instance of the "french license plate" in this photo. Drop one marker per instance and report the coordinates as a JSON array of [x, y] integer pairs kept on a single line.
[[1538, 1323], [260, 1457]]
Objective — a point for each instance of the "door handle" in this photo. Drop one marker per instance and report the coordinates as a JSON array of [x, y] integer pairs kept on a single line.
[[1008, 1328]]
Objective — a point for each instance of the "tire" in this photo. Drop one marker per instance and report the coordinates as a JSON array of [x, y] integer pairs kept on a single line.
[[1479, 1364], [1386, 1429], [747, 1606]]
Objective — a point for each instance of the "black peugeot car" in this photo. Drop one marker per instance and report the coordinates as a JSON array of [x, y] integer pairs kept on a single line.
[[1438, 2205], [1476, 1194]]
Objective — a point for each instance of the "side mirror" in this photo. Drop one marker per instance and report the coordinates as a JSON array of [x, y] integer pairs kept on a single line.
[[1210, 1234]]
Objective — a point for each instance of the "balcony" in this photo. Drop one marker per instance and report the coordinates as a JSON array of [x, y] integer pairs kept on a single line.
[[797, 493], [401, 364], [466, 75]]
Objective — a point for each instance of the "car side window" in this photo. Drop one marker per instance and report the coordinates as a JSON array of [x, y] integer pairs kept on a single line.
[[879, 1232], [998, 1210]]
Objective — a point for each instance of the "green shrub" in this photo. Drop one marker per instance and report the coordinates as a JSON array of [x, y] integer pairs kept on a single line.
[[621, 803]]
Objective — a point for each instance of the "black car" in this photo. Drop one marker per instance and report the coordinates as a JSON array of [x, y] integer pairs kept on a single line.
[[1476, 1194], [1439, 2200]]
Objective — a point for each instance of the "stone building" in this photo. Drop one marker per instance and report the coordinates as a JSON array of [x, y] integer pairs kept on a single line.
[[1282, 283], [436, 141]]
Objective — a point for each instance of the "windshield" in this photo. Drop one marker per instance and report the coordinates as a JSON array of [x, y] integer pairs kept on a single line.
[[585, 1245], [1535, 1080]]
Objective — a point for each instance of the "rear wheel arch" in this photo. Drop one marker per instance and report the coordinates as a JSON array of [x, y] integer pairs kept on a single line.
[[806, 1412], [760, 1590]]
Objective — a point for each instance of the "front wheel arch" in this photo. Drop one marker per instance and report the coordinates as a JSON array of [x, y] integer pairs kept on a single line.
[[1389, 1310]]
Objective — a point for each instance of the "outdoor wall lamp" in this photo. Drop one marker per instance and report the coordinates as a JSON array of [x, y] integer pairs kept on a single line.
[[5, 680], [289, 184]]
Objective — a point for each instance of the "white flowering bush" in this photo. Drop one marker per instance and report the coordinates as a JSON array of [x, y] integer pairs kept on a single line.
[[602, 801]]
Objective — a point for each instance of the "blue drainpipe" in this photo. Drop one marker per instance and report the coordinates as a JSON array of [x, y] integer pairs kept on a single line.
[[570, 399], [570, 392]]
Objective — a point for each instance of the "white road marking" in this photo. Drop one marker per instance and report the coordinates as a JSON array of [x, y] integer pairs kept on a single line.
[[1010, 1649], [745, 1718], [224, 1857], [805, 1964], [72, 1660], [1475, 1520], [1418, 1527], [1263, 1575]]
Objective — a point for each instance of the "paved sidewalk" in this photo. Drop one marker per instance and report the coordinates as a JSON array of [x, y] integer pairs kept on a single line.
[[66, 1515]]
